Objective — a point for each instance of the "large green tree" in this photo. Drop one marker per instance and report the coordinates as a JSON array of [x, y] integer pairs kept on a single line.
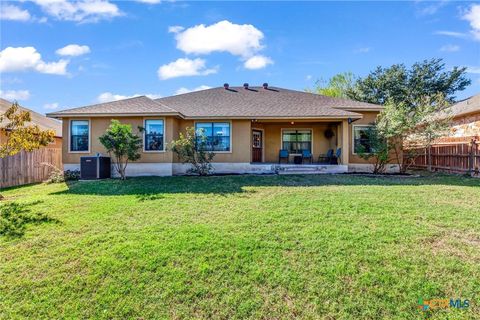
[[399, 84], [337, 86]]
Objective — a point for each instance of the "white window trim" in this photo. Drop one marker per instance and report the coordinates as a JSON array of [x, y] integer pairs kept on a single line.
[[164, 137], [70, 135], [296, 129], [217, 121], [263, 143], [353, 135]]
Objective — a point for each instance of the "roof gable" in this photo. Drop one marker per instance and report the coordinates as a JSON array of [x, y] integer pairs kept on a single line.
[[42, 121], [131, 106]]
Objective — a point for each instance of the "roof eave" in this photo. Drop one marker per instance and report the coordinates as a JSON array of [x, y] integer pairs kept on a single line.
[[359, 116], [108, 114]]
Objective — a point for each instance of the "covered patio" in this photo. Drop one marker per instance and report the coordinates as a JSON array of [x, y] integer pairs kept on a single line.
[[291, 143]]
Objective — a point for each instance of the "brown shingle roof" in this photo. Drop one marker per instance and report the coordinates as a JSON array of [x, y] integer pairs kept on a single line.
[[132, 106], [466, 106], [235, 102], [42, 121], [259, 102]]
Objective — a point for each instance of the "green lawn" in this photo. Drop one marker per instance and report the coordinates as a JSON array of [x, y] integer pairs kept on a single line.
[[235, 247]]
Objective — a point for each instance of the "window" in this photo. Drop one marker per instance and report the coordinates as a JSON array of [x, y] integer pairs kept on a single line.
[[295, 141], [153, 135], [79, 135], [217, 135], [361, 139]]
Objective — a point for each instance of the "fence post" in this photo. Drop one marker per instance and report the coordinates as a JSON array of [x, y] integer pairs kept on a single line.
[[429, 158], [471, 157]]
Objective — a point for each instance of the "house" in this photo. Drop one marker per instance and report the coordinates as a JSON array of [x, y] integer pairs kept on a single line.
[[42, 121], [246, 126], [465, 118]]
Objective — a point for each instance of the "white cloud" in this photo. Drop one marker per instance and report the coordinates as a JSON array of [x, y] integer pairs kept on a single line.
[[183, 90], [12, 95], [363, 50], [79, 11], [73, 50], [10, 12], [472, 69], [473, 17], [450, 48], [184, 67], [451, 34], [51, 106], [224, 36], [431, 8], [27, 58], [108, 96], [257, 62], [149, 1], [308, 77], [175, 29]]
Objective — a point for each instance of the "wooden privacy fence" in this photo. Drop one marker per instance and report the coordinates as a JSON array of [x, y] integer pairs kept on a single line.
[[25, 167], [459, 155]]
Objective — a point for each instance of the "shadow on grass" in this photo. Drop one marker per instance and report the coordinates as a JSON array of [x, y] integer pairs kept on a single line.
[[14, 218], [152, 188]]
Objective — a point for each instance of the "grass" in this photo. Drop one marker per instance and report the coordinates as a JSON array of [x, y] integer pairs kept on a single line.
[[235, 247]]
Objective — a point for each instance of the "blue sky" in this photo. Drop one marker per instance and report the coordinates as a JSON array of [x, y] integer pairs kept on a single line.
[[57, 55]]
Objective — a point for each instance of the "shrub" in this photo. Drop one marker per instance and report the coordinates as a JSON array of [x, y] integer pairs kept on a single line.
[[191, 148], [71, 175]]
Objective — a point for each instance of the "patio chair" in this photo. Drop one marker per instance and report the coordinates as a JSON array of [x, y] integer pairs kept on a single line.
[[336, 157], [326, 158], [283, 154], [306, 154]]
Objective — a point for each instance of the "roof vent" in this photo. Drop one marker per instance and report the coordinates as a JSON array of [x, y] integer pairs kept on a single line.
[[265, 86], [225, 85], [245, 85]]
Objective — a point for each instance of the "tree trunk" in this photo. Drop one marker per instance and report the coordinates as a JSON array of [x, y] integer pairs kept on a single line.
[[429, 158]]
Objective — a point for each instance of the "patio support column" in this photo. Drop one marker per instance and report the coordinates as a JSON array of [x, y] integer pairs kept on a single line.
[[344, 142]]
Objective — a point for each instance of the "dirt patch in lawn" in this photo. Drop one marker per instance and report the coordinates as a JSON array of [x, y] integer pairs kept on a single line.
[[463, 245]]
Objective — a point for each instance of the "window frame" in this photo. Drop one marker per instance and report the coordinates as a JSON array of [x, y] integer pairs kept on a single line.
[[217, 121], [70, 135], [296, 129], [353, 136], [145, 132]]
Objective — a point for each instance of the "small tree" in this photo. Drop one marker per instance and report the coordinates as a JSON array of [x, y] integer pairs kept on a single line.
[[19, 135], [399, 123], [379, 150], [122, 144], [192, 148]]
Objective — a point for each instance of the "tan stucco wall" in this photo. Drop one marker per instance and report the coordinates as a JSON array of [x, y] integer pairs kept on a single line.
[[98, 125], [241, 135], [368, 118], [240, 147], [240, 140], [273, 138]]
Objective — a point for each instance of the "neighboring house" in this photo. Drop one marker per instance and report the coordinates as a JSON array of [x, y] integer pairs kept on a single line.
[[465, 117], [246, 128], [29, 167], [42, 121]]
